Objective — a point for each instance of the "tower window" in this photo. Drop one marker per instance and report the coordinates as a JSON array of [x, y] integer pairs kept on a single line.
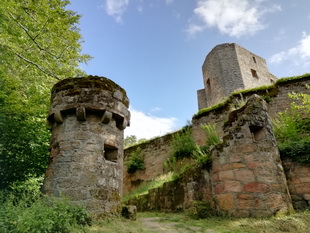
[[254, 73], [110, 153], [254, 59]]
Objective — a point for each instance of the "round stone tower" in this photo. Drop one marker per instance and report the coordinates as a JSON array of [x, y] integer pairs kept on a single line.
[[87, 117]]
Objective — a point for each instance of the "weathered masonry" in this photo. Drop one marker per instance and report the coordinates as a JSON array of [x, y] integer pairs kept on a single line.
[[228, 68], [87, 118]]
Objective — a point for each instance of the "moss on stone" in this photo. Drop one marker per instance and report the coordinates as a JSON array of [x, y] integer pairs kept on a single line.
[[74, 85], [267, 92], [293, 79], [214, 108]]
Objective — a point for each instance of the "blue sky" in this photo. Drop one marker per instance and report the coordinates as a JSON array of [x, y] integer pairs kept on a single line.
[[155, 49]]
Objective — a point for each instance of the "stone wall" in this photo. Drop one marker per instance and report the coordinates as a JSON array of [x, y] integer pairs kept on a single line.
[[254, 70], [155, 152], [257, 169], [298, 180], [193, 185], [280, 101], [247, 175], [87, 119]]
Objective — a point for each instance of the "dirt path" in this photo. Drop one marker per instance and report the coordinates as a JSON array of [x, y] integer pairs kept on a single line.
[[154, 224]]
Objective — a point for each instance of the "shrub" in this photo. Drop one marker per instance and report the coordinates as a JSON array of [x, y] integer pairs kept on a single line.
[[286, 126], [202, 156], [183, 144], [298, 151], [135, 161], [26, 210], [292, 130]]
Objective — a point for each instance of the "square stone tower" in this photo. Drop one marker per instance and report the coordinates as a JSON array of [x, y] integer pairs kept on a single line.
[[228, 68]]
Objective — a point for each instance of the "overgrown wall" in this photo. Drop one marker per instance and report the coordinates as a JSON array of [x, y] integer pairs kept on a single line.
[[278, 101], [193, 185], [155, 152]]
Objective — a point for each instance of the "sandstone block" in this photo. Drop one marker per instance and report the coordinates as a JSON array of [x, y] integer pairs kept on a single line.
[[232, 186], [226, 175], [226, 201], [256, 187], [245, 175]]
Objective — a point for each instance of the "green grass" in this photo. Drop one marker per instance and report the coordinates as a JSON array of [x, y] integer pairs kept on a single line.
[[145, 187], [295, 223], [289, 79]]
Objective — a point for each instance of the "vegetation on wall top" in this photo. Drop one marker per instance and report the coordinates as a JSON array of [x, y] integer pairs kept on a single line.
[[267, 92]]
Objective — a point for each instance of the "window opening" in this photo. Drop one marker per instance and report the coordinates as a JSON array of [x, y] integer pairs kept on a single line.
[[254, 73], [258, 133], [254, 59], [110, 153]]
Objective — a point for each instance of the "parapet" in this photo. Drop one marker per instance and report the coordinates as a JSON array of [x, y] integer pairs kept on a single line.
[[89, 94]]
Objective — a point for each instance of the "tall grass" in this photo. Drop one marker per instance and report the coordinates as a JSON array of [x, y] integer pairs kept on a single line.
[[211, 133]]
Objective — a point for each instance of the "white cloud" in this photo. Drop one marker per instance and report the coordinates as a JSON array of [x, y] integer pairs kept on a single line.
[[233, 17], [169, 2], [298, 54], [147, 126], [116, 8], [193, 29]]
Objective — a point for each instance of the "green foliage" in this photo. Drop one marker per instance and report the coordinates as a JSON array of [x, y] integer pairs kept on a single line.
[[25, 209], [40, 44], [135, 161], [286, 127], [289, 79], [204, 111], [24, 143], [151, 184], [202, 156], [253, 90], [130, 140], [211, 133], [298, 151], [183, 144], [292, 130]]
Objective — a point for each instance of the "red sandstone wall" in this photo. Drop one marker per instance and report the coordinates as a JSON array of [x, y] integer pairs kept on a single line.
[[298, 180]]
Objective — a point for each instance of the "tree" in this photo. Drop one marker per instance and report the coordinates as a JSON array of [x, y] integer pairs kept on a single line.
[[130, 140], [40, 44]]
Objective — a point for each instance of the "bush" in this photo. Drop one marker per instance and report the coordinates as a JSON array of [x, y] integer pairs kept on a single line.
[[26, 210], [292, 130], [298, 151], [135, 161], [183, 144]]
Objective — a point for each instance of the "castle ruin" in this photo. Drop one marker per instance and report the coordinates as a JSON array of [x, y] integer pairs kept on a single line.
[[87, 118], [228, 68], [247, 178]]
